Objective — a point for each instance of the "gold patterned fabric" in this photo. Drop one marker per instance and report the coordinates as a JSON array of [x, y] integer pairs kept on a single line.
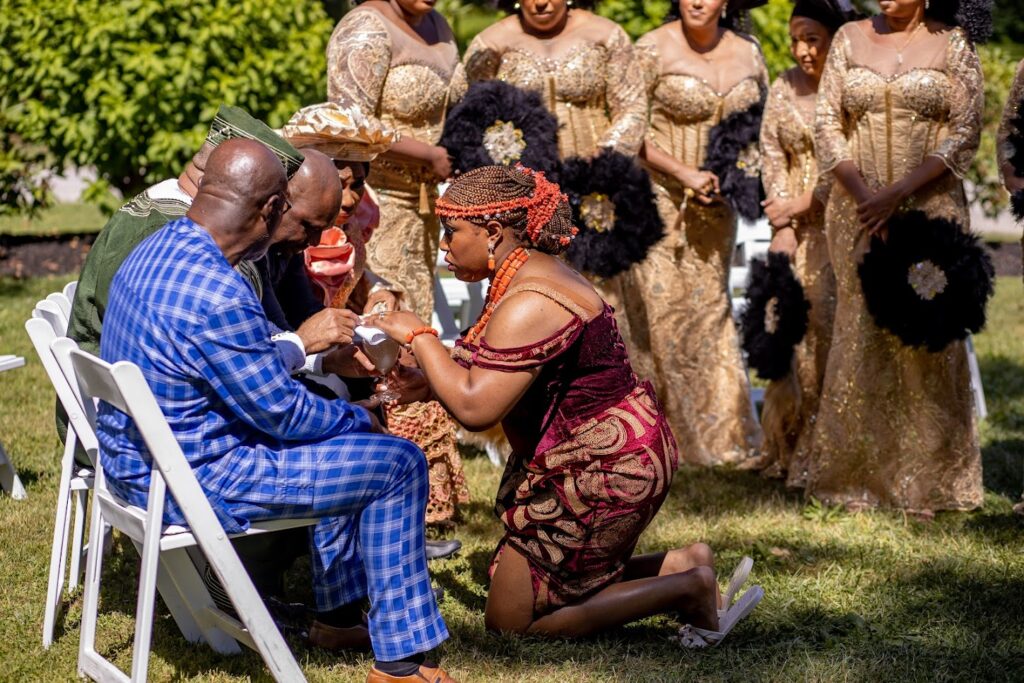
[[1004, 147], [789, 169], [591, 85], [588, 78], [377, 67], [681, 315], [895, 426], [431, 428]]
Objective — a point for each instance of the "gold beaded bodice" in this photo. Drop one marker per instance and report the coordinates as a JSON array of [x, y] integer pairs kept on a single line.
[[788, 165], [887, 122], [593, 87], [385, 72], [684, 107], [1013, 102]]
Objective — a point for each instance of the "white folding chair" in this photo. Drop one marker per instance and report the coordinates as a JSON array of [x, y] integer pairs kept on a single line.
[[75, 483], [70, 289], [9, 479], [62, 301], [51, 312], [165, 562]]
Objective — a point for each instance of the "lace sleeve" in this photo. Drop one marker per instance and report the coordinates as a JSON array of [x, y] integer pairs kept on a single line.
[[481, 61], [1005, 148], [774, 166], [967, 102], [830, 143], [647, 62], [358, 60], [626, 96]]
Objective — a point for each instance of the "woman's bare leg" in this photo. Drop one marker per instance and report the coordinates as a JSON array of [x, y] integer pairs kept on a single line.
[[692, 593], [671, 562]]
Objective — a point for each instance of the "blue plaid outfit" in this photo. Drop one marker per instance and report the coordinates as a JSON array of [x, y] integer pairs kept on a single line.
[[260, 444]]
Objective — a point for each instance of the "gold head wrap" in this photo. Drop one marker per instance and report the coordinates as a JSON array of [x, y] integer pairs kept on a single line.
[[342, 133]]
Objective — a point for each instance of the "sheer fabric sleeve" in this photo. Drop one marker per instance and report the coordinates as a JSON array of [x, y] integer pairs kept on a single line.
[[481, 60], [967, 102], [358, 60], [648, 62], [626, 96], [830, 143], [774, 165], [1004, 146]]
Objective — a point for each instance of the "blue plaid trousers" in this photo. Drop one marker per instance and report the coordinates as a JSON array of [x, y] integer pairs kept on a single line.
[[371, 492]]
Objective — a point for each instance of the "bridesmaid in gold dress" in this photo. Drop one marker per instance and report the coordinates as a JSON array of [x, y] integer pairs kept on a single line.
[[789, 172], [898, 124], [582, 65], [697, 72], [395, 60]]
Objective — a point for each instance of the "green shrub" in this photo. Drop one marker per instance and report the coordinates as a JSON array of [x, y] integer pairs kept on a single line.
[[130, 87]]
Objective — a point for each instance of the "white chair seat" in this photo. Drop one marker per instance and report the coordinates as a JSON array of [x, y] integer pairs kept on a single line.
[[8, 362]]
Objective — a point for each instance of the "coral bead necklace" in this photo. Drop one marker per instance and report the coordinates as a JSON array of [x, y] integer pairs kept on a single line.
[[508, 269]]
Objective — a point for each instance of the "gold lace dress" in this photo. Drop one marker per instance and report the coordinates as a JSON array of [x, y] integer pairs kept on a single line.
[[789, 169], [895, 425], [374, 65], [589, 80], [682, 316]]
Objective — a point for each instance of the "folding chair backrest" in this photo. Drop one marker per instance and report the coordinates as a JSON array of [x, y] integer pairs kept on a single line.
[[81, 413], [62, 301], [52, 313], [43, 338], [70, 289]]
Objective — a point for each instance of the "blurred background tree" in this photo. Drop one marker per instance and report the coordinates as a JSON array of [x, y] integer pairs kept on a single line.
[[130, 87]]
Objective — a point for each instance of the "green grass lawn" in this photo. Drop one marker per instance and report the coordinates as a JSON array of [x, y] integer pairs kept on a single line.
[[59, 219], [866, 597]]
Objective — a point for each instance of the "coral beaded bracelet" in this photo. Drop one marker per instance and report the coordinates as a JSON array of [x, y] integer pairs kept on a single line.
[[418, 331]]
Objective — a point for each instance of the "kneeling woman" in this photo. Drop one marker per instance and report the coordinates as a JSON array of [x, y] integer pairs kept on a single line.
[[592, 457]]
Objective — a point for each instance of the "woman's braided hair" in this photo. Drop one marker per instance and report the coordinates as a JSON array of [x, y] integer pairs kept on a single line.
[[522, 199]]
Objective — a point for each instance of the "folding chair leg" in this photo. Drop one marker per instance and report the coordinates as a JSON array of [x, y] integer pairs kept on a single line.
[[78, 534], [91, 595], [149, 570], [9, 480], [59, 549]]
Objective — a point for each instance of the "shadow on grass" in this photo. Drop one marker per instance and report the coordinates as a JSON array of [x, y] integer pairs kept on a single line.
[[1002, 466]]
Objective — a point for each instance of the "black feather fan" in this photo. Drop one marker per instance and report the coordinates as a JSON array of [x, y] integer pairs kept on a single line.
[[775, 317], [529, 130], [729, 142], [614, 209], [929, 282]]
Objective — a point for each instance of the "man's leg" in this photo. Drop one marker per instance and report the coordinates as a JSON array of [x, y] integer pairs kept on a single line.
[[381, 483]]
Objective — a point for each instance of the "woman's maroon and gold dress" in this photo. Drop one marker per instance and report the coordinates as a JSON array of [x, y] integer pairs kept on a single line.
[[592, 454]]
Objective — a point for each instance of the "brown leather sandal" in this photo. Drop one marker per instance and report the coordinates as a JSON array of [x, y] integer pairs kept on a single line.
[[355, 638], [426, 674]]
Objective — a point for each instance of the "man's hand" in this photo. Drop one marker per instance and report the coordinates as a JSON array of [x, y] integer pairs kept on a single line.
[[330, 327], [381, 300], [349, 361]]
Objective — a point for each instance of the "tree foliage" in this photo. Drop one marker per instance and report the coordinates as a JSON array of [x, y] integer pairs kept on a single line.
[[130, 87]]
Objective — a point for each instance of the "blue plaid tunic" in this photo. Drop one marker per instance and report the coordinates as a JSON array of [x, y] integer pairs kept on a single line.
[[260, 444]]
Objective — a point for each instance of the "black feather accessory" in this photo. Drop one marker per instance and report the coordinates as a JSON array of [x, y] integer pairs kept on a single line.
[[734, 156], [499, 124], [774, 320], [929, 282], [973, 16], [614, 209]]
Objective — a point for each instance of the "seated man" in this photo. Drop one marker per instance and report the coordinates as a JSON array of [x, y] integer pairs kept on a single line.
[[261, 445]]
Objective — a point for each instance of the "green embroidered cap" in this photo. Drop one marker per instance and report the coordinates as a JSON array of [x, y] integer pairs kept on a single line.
[[235, 122]]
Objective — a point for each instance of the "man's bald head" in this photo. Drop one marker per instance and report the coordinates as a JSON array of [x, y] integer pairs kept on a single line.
[[315, 192], [241, 197], [244, 170]]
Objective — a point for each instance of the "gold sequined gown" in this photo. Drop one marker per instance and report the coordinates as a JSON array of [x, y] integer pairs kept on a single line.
[[896, 425], [591, 85], [375, 66], [789, 169], [683, 320]]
